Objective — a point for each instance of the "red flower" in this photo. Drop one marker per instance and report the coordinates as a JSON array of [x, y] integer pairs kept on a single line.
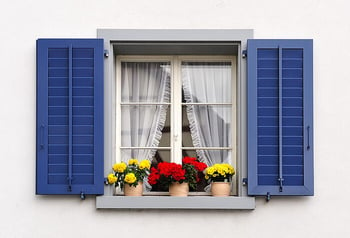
[[199, 166], [168, 171], [188, 160], [165, 173], [153, 177]]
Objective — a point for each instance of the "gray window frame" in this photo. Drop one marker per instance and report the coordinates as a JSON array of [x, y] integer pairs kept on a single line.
[[158, 42]]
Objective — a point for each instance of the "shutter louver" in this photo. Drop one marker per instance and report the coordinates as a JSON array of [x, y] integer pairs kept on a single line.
[[69, 116], [280, 151]]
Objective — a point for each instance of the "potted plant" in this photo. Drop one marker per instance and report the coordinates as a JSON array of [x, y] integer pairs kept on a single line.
[[130, 176], [220, 177], [178, 178]]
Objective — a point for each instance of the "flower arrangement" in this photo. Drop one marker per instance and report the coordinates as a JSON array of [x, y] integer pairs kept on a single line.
[[130, 173], [166, 173], [219, 173]]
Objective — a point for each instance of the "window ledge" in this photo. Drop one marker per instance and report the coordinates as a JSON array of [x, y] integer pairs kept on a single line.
[[167, 202]]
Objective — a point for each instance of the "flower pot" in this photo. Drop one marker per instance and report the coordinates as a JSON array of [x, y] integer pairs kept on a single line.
[[178, 189], [133, 191], [220, 189]]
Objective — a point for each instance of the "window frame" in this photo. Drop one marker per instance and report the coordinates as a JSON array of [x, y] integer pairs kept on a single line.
[[175, 147], [177, 39]]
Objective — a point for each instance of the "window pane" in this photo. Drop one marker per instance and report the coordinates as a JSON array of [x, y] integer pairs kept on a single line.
[[158, 155], [207, 126], [145, 126], [166, 132], [207, 82], [145, 81], [186, 131]]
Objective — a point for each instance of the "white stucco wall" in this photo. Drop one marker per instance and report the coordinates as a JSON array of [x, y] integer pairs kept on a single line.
[[23, 214]]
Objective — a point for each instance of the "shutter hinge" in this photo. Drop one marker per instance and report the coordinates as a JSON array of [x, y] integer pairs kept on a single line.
[[82, 195], [244, 54], [106, 53], [105, 181], [268, 197], [245, 181]]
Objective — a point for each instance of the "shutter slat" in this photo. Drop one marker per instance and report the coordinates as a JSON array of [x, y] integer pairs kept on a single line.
[[70, 106], [279, 113]]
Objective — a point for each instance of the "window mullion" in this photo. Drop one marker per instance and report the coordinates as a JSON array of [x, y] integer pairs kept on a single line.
[[176, 111], [234, 120], [118, 109]]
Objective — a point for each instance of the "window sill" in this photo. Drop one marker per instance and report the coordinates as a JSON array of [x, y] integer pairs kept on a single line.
[[167, 202]]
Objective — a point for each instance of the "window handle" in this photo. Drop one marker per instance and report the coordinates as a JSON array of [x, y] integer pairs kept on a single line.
[[308, 137], [42, 127]]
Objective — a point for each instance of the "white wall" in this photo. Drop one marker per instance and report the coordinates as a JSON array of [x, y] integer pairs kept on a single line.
[[23, 214]]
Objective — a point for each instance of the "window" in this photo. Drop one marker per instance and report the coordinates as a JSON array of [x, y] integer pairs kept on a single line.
[[81, 104], [175, 47], [175, 106]]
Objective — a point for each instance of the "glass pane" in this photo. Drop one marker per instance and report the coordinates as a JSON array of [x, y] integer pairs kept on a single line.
[[145, 126], [207, 126], [207, 82], [186, 131], [140, 154], [166, 132], [145, 81]]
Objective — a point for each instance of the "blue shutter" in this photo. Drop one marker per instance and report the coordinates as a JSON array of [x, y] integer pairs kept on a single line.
[[280, 117], [69, 116]]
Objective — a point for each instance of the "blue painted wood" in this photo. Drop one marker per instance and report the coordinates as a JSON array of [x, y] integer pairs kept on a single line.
[[69, 116], [280, 117], [70, 119]]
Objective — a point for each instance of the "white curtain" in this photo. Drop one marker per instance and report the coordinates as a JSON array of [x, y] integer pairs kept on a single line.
[[143, 82], [210, 125]]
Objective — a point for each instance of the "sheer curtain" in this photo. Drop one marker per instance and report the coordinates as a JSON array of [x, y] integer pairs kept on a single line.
[[209, 84], [143, 85]]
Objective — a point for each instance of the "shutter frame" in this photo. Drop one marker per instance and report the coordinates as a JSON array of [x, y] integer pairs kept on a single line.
[[84, 167], [256, 187]]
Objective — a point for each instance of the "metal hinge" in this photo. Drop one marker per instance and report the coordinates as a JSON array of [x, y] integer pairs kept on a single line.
[[245, 181], [268, 197], [82, 195], [244, 54], [106, 53]]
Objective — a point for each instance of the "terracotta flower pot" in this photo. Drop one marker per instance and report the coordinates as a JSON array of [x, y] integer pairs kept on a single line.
[[133, 191], [179, 189], [220, 189]]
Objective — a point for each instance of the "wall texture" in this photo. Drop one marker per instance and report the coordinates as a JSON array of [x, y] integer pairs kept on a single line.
[[23, 214]]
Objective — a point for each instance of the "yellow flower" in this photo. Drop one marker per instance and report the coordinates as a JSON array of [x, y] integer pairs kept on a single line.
[[133, 162], [145, 164], [221, 171], [229, 168], [130, 178], [111, 178], [218, 170], [120, 167], [210, 170]]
